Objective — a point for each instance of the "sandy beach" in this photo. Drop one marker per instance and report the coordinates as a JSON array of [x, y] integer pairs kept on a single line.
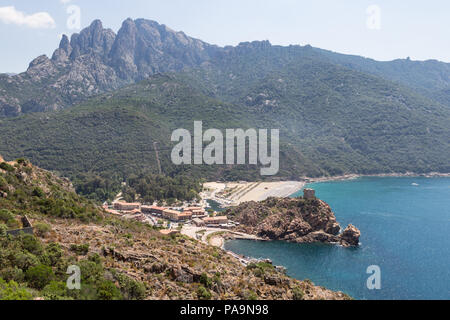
[[234, 193]]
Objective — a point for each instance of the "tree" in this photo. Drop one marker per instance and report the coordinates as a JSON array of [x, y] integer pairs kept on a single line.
[[11, 291], [107, 290], [39, 276]]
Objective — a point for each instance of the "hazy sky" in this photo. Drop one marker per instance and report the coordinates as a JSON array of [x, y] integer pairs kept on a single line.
[[379, 29]]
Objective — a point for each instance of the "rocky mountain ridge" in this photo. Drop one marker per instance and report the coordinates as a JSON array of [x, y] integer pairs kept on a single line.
[[98, 60]]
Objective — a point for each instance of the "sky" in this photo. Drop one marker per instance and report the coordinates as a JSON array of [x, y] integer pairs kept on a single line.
[[378, 29]]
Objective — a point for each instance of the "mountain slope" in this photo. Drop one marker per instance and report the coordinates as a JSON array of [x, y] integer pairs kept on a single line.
[[332, 121], [118, 259], [431, 77]]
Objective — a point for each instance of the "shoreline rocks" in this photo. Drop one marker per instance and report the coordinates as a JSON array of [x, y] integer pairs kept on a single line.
[[295, 220]]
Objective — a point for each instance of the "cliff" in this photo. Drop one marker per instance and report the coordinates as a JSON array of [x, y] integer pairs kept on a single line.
[[294, 220]]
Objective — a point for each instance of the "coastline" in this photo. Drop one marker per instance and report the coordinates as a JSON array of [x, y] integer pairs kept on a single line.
[[260, 190], [352, 176]]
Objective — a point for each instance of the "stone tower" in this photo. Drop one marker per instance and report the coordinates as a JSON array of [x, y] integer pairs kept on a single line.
[[309, 194]]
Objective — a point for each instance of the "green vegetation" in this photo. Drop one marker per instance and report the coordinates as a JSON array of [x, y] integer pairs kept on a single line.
[[203, 293], [30, 269], [29, 198], [297, 293], [11, 291], [153, 187], [80, 249], [261, 268]]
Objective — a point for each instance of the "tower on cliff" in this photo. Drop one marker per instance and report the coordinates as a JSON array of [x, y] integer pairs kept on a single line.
[[309, 194]]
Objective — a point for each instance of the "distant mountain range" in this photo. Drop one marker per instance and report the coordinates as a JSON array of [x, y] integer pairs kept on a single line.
[[97, 60], [337, 113]]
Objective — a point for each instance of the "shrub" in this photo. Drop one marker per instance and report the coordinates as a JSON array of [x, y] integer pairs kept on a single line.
[[24, 260], [6, 215], [54, 253], [131, 289], [37, 192], [12, 291], [80, 249], [42, 229], [22, 161], [297, 293], [204, 280], [31, 244], [7, 167], [251, 295], [3, 229], [56, 290], [91, 272], [12, 274], [39, 276], [203, 293], [107, 290], [3, 182]]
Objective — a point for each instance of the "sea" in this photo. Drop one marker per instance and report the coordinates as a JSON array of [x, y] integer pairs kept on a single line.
[[404, 250]]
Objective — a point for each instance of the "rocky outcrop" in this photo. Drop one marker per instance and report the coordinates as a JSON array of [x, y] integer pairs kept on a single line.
[[97, 60], [350, 236], [294, 220]]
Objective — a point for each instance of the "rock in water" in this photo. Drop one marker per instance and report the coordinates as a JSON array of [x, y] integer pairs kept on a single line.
[[350, 236]]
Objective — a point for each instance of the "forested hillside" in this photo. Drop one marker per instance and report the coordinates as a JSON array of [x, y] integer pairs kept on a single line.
[[336, 114]]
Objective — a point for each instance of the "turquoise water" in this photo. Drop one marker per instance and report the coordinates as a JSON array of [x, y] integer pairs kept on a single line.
[[405, 225], [214, 205]]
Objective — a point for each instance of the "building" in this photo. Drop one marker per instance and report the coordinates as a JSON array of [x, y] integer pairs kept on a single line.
[[215, 220], [309, 194], [177, 216], [196, 211], [153, 210], [125, 206], [198, 222]]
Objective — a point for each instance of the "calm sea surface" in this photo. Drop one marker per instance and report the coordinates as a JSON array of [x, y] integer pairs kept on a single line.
[[405, 226]]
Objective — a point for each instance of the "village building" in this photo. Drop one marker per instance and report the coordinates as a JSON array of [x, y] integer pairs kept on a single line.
[[153, 210], [176, 216], [198, 222], [196, 211], [215, 220], [125, 206]]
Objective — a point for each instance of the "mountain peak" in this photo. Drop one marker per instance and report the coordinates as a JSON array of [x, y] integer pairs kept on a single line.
[[96, 24]]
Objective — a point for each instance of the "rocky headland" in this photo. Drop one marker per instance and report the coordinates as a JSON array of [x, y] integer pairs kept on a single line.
[[297, 220]]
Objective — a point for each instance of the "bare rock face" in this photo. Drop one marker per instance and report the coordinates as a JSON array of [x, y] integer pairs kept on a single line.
[[97, 60], [294, 220], [350, 236]]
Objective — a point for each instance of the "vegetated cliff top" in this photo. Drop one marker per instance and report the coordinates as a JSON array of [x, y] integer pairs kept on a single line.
[[119, 259], [293, 219]]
